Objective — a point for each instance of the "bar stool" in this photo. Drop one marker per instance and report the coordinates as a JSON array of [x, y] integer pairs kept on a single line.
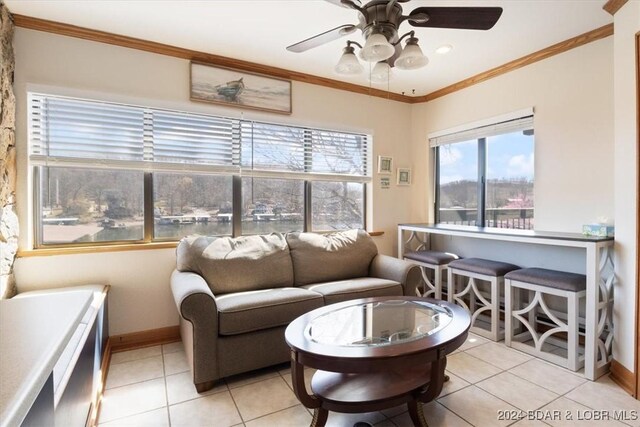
[[436, 261], [540, 282], [480, 269]]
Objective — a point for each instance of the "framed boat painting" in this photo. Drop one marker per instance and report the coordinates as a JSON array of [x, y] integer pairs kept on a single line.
[[242, 89]]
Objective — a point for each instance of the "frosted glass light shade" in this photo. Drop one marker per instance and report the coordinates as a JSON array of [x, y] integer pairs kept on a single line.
[[411, 57], [377, 49], [381, 73], [348, 63]]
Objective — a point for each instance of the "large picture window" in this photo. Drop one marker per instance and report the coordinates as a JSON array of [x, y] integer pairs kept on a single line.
[[485, 175], [112, 173]]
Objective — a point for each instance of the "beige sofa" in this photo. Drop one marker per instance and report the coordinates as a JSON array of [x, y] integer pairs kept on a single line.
[[236, 296]]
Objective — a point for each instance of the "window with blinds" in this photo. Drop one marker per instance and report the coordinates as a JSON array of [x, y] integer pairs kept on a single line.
[[484, 172], [191, 161], [87, 133], [66, 131]]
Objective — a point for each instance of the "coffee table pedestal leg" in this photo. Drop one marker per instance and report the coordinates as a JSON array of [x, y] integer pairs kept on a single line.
[[416, 414], [319, 417]]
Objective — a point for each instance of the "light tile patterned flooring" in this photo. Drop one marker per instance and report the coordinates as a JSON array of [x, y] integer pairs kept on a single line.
[[152, 387]]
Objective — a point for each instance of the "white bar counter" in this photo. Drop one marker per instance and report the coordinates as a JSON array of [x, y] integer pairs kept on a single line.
[[597, 253], [34, 332]]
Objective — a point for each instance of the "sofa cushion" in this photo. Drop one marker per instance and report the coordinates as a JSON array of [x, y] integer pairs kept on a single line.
[[242, 312], [327, 257], [362, 287], [237, 264]]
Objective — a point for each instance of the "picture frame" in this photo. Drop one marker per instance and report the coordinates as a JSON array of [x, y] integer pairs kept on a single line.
[[404, 176], [239, 89], [385, 182], [385, 165]]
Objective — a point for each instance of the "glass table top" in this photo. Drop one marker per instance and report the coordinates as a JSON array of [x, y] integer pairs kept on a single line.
[[378, 324]]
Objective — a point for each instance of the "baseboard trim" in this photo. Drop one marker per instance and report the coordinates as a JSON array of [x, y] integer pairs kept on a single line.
[[623, 377], [94, 415], [143, 339], [125, 342]]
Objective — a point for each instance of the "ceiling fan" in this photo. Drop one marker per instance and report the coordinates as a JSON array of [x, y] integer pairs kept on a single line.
[[379, 21]]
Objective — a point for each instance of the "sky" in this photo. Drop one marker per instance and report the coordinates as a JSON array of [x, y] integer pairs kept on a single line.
[[508, 156]]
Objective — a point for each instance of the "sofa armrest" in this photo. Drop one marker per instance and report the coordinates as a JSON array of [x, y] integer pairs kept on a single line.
[[404, 272], [196, 305]]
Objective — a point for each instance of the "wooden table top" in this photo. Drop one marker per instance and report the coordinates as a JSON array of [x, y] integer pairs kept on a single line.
[[350, 358]]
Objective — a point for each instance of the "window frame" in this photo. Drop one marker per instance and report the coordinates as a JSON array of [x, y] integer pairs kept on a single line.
[[481, 186], [36, 169], [482, 162]]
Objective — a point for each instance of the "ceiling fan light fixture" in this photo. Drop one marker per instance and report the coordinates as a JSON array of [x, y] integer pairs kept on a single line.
[[381, 73], [411, 57], [348, 63], [377, 48]]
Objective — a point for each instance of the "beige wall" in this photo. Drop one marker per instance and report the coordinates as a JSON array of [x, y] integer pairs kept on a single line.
[[140, 296], [572, 94], [627, 24]]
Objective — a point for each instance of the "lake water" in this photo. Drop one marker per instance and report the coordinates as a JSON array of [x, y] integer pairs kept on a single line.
[[169, 231]]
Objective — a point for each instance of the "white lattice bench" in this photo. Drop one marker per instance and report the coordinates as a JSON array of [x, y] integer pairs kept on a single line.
[[480, 300], [436, 261], [540, 282]]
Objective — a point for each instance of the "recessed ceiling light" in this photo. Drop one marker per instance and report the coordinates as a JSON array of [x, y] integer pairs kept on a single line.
[[444, 49]]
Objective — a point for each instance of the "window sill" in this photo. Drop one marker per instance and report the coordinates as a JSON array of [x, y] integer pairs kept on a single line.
[[96, 249], [71, 250]]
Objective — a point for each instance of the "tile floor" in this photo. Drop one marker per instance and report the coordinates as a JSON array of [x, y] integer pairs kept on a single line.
[[152, 387]]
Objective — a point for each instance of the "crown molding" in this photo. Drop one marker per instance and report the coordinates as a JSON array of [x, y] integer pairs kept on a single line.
[[612, 6], [582, 39], [192, 55]]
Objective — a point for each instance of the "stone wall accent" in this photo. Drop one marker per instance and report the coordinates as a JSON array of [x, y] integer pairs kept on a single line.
[[8, 217]]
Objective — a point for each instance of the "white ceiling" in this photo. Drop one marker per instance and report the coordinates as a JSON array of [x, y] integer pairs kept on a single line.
[[259, 31]]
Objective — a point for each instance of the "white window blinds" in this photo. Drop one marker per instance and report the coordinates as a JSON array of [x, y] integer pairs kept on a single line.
[[73, 132], [72, 129], [512, 122], [191, 139]]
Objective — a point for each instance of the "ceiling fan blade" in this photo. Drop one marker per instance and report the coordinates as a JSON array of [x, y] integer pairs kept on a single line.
[[465, 18], [322, 38], [346, 3]]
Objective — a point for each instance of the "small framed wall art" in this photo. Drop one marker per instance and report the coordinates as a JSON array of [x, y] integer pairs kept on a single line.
[[385, 164], [385, 182], [242, 89], [404, 176]]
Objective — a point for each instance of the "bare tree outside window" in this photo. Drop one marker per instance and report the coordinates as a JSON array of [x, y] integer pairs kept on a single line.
[[272, 205], [84, 205], [337, 205], [191, 204]]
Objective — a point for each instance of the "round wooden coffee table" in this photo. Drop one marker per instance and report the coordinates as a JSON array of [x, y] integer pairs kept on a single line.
[[374, 353]]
